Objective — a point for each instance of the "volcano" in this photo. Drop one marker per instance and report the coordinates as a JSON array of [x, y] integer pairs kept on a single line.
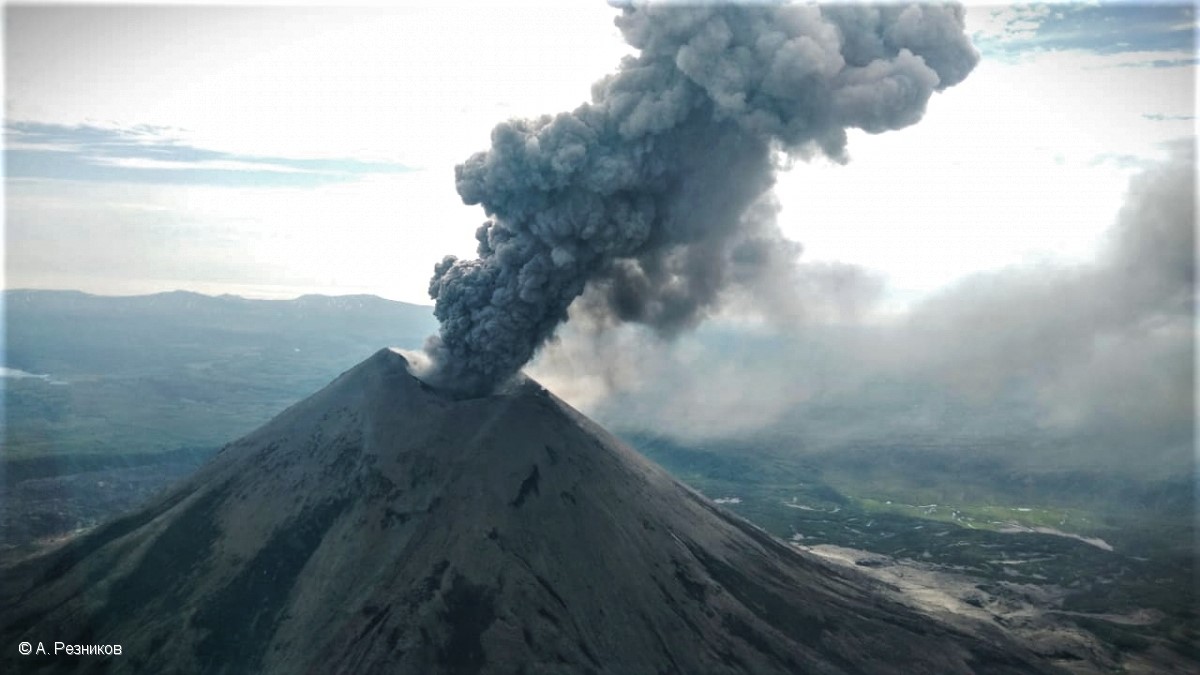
[[382, 526]]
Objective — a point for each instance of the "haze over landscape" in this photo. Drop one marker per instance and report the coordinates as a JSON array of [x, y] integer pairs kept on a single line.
[[912, 287]]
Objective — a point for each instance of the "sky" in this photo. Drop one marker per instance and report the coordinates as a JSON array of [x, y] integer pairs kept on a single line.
[[277, 151], [1018, 265]]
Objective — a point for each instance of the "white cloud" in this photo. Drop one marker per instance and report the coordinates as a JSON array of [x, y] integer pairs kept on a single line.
[[378, 235], [43, 147], [415, 84], [208, 164], [1023, 162]]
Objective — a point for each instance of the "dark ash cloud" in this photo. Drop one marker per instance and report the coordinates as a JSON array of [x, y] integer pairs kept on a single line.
[[654, 198]]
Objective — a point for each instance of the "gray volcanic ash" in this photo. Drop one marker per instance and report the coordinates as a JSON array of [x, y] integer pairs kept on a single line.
[[381, 526], [654, 197]]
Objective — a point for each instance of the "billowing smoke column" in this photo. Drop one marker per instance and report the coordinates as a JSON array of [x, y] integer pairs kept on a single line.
[[652, 197]]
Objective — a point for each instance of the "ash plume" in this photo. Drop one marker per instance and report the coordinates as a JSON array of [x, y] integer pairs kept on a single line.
[[655, 196]]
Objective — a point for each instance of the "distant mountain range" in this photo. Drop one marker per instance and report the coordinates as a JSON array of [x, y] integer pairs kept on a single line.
[[73, 334]]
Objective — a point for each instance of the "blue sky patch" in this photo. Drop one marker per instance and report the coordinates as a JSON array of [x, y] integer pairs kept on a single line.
[[1104, 28], [146, 154]]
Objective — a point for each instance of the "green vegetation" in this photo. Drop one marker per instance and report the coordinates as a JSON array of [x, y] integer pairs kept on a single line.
[[986, 516], [814, 499]]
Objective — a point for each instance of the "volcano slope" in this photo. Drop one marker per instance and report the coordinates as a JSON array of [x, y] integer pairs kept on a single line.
[[380, 526]]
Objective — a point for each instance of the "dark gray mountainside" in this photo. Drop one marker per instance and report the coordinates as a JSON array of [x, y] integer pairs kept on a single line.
[[381, 526]]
